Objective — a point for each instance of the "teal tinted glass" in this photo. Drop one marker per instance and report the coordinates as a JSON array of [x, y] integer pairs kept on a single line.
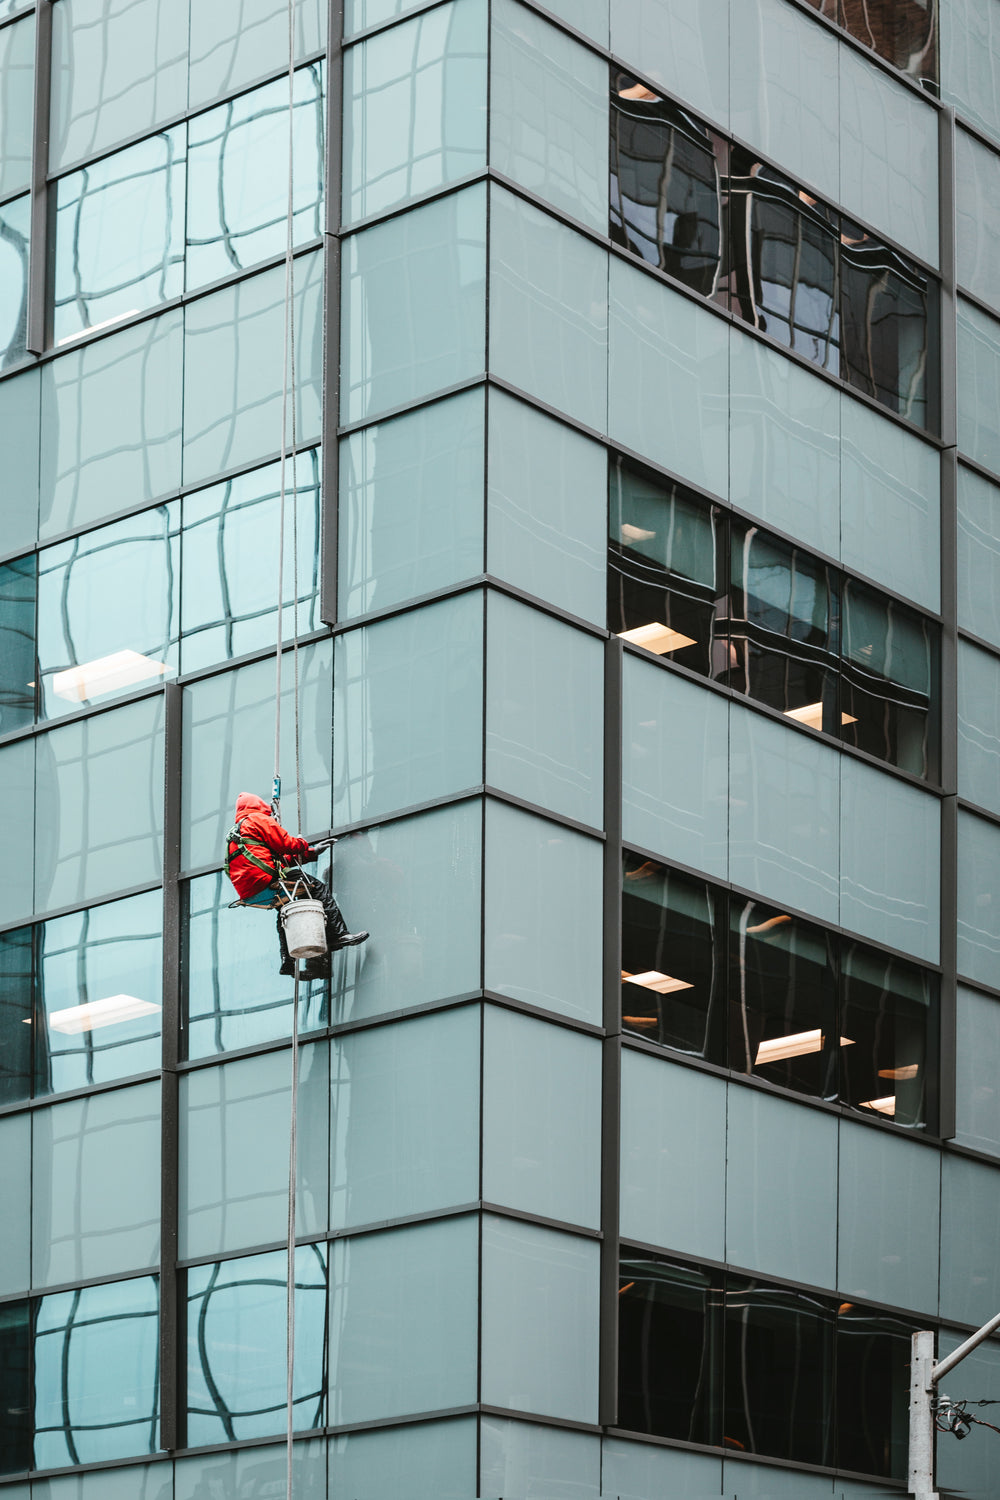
[[876, 1255], [252, 1470], [978, 555], [979, 385], [237, 201], [977, 1069], [98, 988], [685, 48], [20, 413], [17, 768], [236, 1345], [108, 611], [979, 726], [96, 1393], [978, 909], [17, 78], [890, 837], [18, 678], [425, 1461], [15, 235], [970, 61], [16, 1004], [234, 42], [120, 235], [977, 188]]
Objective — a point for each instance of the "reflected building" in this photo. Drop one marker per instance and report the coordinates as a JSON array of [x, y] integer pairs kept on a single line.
[[640, 597]]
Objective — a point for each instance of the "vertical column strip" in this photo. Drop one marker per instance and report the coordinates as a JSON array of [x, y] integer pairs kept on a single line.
[[611, 1082], [331, 311], [171, 1365], [38, 262], [949, 617]]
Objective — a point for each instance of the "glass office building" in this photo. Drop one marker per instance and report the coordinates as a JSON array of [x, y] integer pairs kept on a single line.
[[642, 553]]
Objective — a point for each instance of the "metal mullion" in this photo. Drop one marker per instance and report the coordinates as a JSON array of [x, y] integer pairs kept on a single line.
[[172, 1403], [332, 277], [612, 1046], [38, 261]]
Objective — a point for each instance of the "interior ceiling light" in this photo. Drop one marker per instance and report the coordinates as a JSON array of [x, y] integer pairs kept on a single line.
[[886, 1106], [106, 323], [106, 674], [632, 533], [652, 979], [812, 714], [797, 1045], [657, 638], [100, 1013], [909, 1071]]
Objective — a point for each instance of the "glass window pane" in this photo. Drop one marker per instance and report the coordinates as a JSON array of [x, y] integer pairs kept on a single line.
[[96, 1186], [411, 504], [414, 305], [784, 814], [548, 113], [235, 998], [779, 1403], [781, 1188], [888, 312], [17, 772], [889, 1048], [977, 189], [970, 1228], [120, 235], [890, 839], [17, 81], [663, 554], [107, 611], [665, 1307], [237, 200], [104, 774], [99, 977], [675, 767], [649, 1469], [541, 1118], [234, 1123], [548, 309], [673, 964], [233, 346], [978, 555], [970, 61], [538, 1460], [235, 41], [889, 687], [902, 32], [416, 884], [15, 236], [407, 718], [665, 187], [15, 1226], [971, 1469], [661, 341], [251, 1471], [782, 1002], [977, 1070], [539, 1335], [229, 748], [542, 913], [15, 1388], [236, 1328], [415, 111], [403, 1324], [978, 385], [16, 1000], [94, 402], [673, 1154], [547, 508], [685, 49], [96, 1382], [888, 154], [873, 1375], [426, 1461], [18, 678], [978, 905], [20, 415], [979, 727], [544, 710], [890, 523], [886, 1186], [229, 543]]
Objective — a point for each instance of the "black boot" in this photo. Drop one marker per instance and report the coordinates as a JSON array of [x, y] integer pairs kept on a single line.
[[337, 935], [287, 961]]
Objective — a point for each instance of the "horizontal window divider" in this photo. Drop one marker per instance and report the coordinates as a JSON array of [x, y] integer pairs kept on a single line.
[[978, 302], [497, 383], [347, 231], [538, 1419], [967, 462], [391, 22], [555, 1018], [404, 1221], [410, 812], [442, 394], [37, 1292], [269, 1247], [405, 1013], [978, 640], [988, 991], [247, 659], [75, 906], [172, 121], [29, 10], [504, 1211], [973, 1153], [410, 1419], [42, 727], [405, 606], [777, 716], [988, 814], [545, 606], [544, 812], [8, 198], [257, 1049], [43, 1101], [982, 136]]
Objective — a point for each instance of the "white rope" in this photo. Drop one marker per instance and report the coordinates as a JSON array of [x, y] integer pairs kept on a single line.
[[293, 1149]]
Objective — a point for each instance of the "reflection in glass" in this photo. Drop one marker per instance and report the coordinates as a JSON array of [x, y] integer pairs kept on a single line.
[[16, 971], [96, 1373], [17, 79], [672, 967], [665, 203], [665, 1307], [119, 235], [889, 681], [238, 177], [873, 1367], [889, 1010], [15, 233], [782, 1000], [107, 610], [236, 1345], [904, 32], [98, 989], [17, 644], [886, 307], [229, 545], [15, 1387], [234, 996], [778, 1372], [662, 567]]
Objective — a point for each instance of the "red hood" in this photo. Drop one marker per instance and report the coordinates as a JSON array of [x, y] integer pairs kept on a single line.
[[246, 803]]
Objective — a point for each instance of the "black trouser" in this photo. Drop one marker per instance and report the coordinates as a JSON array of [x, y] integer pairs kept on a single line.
[[316, 890]]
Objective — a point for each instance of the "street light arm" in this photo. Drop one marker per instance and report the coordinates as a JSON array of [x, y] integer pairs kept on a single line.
[[942, 1368]]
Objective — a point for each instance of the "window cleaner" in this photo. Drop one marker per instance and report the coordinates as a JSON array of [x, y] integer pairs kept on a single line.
[[263, 861]]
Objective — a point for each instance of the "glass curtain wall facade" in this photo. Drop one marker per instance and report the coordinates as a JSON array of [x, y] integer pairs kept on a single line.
[[646, 583]]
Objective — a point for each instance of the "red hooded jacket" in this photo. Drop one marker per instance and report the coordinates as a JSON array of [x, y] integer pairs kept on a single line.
[[266, 840]]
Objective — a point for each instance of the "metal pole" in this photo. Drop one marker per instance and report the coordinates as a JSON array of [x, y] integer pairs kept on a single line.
[[921, 1483]]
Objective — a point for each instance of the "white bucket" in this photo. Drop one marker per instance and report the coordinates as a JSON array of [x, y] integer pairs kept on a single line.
[[305, 928]]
